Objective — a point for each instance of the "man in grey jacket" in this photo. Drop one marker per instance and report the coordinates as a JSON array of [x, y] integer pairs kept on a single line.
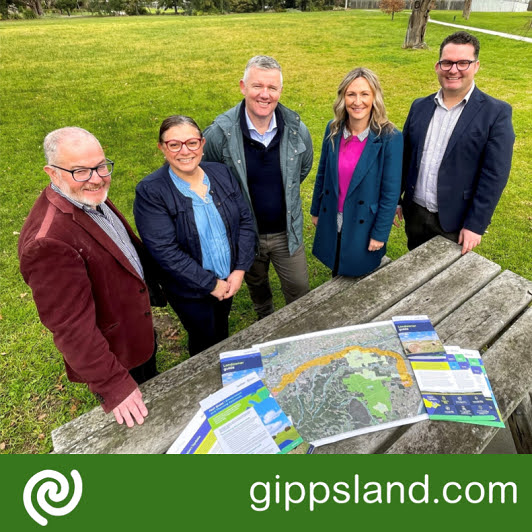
[[269, 150]]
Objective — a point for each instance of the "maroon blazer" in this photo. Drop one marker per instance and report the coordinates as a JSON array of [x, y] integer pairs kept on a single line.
[[88, 295]]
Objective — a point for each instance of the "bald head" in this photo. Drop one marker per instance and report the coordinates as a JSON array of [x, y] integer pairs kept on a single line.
[[71, 136]]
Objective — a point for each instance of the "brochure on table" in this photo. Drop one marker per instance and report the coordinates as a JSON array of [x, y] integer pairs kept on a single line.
[[237, 364], [418, 336], [246, 419], [456, 387], [197, 438]]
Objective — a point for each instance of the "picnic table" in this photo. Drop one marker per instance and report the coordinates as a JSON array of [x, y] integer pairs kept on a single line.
[[469, 300]]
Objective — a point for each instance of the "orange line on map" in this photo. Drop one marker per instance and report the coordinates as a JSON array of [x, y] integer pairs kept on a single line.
[[289, 378]]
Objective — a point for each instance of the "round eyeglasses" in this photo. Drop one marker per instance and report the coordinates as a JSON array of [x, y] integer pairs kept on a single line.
[[461, 65], [175, 146], [84, 174]]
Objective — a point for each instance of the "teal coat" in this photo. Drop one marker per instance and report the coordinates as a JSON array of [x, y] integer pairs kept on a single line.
[[369, 206]]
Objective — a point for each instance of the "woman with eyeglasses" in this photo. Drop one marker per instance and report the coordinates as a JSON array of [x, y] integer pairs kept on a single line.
[[196, 224], [358, 180]]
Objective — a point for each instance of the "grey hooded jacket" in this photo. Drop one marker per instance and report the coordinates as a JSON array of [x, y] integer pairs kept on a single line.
[[225, 145]]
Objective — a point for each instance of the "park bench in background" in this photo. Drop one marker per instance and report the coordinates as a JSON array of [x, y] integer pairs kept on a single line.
[[470, 302]]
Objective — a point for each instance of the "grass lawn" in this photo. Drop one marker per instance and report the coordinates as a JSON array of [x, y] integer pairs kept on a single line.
[[120, 77], [514, 23]]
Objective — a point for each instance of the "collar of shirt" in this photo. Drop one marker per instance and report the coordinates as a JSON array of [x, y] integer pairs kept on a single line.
[[439, 97], [361, 136], [251, 127], [81, 206], [184, 187]]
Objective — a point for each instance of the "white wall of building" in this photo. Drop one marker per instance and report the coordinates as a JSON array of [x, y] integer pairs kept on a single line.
[[499, 5]]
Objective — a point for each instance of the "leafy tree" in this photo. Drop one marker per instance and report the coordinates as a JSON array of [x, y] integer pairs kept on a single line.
[[391, 6], [136, 7], [245, 6], [66, 6], [34, 5], [170, 4]]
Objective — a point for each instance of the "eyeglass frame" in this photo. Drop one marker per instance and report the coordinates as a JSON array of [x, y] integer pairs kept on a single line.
[[165, 142], [469, 61], [108, 161]]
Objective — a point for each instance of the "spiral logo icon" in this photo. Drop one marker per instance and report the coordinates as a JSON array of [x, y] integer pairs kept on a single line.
[[50, 489]]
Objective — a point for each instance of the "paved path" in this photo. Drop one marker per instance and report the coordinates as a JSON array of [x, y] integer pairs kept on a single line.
[[481, 30]]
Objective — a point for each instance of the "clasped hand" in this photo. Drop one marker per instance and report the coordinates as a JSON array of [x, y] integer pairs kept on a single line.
[[226, 289]]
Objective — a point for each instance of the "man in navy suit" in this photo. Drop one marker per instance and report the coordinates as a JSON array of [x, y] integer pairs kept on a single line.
[[457, 152]]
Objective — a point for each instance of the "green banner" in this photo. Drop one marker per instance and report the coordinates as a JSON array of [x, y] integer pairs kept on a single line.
[[263, 492]]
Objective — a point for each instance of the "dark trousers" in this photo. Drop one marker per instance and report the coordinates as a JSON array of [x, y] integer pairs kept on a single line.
[[148, 370], [421, 225], [205, 319]]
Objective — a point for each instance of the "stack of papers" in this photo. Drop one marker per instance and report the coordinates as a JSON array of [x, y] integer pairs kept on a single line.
[[322, 387], [453, 381], [241, 418]]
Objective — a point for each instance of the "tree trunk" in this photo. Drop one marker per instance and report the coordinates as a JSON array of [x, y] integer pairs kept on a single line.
[[417, 24], [467, 9], [529, 5]]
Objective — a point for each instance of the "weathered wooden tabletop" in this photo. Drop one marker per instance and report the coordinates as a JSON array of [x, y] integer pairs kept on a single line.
[[469, 300]]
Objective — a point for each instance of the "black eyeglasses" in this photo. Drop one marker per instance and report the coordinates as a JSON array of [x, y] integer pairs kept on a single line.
[[461, 65], [84, 174]]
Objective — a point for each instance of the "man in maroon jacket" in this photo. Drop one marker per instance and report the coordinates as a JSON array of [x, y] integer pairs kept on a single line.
[[90, 276]]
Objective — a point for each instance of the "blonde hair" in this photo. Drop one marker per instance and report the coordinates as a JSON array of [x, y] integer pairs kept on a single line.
[[378, 122]]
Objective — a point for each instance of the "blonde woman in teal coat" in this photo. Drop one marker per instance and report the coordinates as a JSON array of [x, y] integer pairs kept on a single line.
[[359, 179]]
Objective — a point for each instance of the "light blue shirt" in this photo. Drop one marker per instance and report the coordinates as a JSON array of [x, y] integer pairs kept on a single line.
[[268, 135], [215, 250]]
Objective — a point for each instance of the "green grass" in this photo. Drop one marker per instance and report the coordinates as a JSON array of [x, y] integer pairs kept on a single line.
[[514, 23], [119, 77]]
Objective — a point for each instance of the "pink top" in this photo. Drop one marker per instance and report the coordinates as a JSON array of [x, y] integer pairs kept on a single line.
[[350, 151]]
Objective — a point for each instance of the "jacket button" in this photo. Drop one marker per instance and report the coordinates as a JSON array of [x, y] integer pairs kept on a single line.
[[361, 202], [361, 221], [326, 192], [147, 313], [142, 290], [324, 209]]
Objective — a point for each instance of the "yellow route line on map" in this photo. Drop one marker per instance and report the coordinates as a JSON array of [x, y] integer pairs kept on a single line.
[[289, 378]]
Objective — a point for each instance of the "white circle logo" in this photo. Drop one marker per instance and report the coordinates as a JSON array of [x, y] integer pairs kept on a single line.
[[50, 488]]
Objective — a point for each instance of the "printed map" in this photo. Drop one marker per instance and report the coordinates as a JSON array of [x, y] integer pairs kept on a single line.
[[344, 382]]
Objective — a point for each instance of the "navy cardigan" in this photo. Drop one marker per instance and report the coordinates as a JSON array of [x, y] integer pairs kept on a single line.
[[166, 224]]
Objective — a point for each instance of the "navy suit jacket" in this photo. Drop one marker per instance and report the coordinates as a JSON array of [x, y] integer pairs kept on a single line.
[[475, 166]]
